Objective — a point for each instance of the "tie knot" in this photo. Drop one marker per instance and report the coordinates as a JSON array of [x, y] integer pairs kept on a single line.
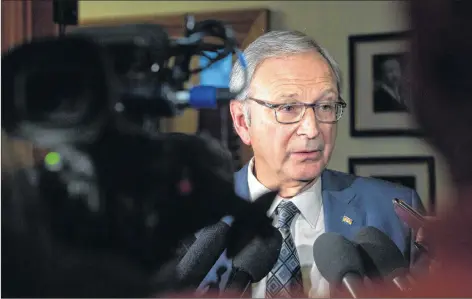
[[286, 211]]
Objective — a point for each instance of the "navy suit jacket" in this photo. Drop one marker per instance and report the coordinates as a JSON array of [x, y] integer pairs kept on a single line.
[[366, 201]]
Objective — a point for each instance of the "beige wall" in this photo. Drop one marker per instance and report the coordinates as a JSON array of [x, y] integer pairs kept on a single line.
[[330, 22]]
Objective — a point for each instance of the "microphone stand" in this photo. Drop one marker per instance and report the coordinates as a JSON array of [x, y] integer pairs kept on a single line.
[[62, 30], [64, 13]]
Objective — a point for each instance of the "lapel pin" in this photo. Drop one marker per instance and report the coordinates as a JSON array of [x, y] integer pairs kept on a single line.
[[347, 220]]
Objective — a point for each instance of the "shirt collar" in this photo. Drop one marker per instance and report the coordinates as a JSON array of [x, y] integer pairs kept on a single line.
[[308, 202]]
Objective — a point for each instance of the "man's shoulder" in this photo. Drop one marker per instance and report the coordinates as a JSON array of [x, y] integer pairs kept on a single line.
[[345, 179], [332, 180], [368, 185]]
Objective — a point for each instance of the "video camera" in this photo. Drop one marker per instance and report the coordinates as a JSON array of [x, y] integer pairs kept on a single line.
[[107, 182], [95, 75]]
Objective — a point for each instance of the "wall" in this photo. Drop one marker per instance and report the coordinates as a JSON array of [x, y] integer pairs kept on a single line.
[[330, 22]]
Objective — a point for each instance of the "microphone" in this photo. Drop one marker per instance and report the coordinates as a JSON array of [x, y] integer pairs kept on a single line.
[[204, 97], [202, 255], [339, 262], [255, 261], [382, 257]]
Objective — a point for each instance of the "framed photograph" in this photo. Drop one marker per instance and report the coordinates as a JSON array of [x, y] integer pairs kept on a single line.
[[380, 85], [417, 173]]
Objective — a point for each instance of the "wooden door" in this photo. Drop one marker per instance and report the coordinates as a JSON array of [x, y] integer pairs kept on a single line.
[[22, 20]]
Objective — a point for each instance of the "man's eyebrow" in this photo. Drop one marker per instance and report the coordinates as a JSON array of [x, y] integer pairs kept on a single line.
[[287, 97], [293, 97], [327, 92]]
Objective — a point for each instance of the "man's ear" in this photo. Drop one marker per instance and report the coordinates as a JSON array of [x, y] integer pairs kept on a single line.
[[239, 121]]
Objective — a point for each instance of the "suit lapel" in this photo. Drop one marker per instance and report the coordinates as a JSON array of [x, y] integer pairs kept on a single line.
[[342, 208]]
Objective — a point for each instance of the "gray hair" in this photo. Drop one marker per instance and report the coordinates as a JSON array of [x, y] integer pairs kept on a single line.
[[275, 44]]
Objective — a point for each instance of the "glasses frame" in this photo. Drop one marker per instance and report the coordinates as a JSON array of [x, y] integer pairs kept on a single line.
[[274, 107]]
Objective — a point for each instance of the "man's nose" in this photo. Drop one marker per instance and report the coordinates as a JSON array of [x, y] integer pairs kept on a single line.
[[308, 124]]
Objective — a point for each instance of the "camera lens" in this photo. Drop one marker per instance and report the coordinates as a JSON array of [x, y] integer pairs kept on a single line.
[[55, 97]]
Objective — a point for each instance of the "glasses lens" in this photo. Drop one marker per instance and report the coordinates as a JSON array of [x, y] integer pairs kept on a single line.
[[289, 113], [329, 112]]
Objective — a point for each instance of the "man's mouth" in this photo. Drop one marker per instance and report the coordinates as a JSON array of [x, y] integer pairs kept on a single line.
[[307, 154]]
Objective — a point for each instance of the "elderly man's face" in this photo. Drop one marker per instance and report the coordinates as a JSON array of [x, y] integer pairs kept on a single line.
[[392, 72], [293, 152]]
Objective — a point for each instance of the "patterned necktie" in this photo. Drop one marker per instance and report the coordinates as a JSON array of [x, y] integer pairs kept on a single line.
[[285, 278]]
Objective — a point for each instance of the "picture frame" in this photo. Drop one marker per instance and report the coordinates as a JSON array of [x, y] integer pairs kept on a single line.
[[379, 85], [415, 172]]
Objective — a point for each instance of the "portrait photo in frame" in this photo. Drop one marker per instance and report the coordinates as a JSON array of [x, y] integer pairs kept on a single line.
[[415, 172], [380, 86]]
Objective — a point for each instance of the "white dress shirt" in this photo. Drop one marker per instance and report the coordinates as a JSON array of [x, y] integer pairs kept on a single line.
[[305, 228]]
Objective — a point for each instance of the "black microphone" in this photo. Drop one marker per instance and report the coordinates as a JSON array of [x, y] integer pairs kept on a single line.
[[202, 255], [339, 262], [382, 257], [255, 261]]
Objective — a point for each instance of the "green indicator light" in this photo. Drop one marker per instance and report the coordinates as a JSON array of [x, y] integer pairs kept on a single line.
[[52, 158]]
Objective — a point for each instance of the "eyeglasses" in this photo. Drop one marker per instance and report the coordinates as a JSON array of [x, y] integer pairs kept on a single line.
[[326, 112]]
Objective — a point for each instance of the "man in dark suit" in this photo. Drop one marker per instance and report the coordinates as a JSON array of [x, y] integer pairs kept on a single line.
[[288, 115]]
